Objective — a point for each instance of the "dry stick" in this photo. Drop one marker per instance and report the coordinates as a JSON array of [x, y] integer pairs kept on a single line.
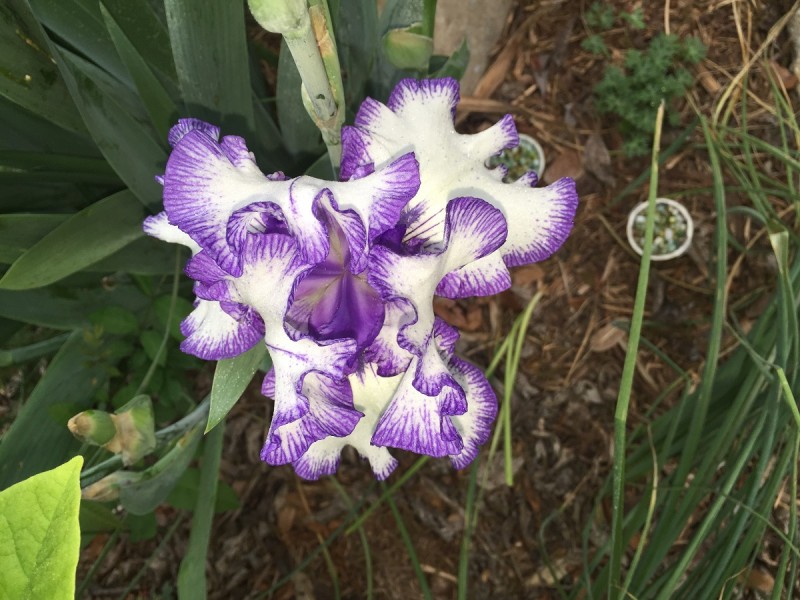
[[773, 33]]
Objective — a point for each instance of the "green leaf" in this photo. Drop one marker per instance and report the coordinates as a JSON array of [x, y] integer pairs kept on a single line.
[[20, 232], [115, 320], [145, 256], [408, 50], [192, 572], [162, 110], [40, 535], [28, 75], [301, 136], [182, 309], [143, 496], [455, 65], [126, 143], [356, 27], [94, 233], [210, 50], [35, 442], [96, 517], [230, 380]]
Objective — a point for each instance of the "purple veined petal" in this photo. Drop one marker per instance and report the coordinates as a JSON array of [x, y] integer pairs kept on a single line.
[[256, 218], [184, 126], [486, 276], [346, 231], [212, 334], [159, 227], [203, 188], [417, 422], [419, 117], [202, 268], [473, 229], [371, 395], [540, 219], [384, 352], [475, 424], [380, 197], [325, 409]]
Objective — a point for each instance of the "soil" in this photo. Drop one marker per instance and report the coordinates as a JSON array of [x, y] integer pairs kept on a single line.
[[564, 397]]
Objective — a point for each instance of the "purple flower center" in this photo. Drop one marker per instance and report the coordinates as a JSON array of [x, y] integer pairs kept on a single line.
[[331, 302]]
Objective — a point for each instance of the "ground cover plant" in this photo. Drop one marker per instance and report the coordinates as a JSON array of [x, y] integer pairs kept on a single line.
[[687, 365]]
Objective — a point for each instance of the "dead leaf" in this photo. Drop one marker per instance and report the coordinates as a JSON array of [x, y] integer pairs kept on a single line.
[[606, 338], [566, 164], [527, 275], [758, 580], [597, 159], [788, 79]]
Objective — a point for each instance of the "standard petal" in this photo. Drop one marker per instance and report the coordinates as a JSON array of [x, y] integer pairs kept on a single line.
[[203, 188], [212, 334], [184, 126], [380, 197], [419, 117]]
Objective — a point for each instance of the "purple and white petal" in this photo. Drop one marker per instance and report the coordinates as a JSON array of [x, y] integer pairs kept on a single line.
[[184, 126], [212, 334], [475, 425], [159, 227], [419, 116], [371, 395], [418, 422], [203, 188], [380, 197], [326, 409]]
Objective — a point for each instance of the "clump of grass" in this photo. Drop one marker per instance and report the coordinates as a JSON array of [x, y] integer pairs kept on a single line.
[[710, 471]]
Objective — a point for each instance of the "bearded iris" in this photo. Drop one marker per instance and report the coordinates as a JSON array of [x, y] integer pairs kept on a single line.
[[338, 278]]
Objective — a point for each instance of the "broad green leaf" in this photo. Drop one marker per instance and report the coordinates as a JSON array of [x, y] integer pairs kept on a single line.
[[210, 50], [20, 232], [125, 142], [300, 134], [40, 535], [151, 342], [91, 235], [145, 256], [143, 496], [28, 76], [406, 49], [230, 380], [162, 110], [356, 28], [182, 309], [35, 442], [26, 131], [146, 31], [37, 167]]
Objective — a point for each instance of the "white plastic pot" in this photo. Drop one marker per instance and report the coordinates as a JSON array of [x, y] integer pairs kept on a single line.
[[674, 229]]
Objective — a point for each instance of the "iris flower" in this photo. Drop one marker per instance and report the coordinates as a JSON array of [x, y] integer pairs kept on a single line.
[[338, 278]]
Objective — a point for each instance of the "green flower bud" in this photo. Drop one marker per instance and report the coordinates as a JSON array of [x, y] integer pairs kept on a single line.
[[280, 16], [136, 433], [108, 487], [408, 49], [93, 426]]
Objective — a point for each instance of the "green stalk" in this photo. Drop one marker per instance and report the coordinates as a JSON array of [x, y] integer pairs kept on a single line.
[[628, 371]]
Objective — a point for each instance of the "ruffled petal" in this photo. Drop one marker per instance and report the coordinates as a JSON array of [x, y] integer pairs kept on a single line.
[[203, 188], [475, 424], [371, 394], [212, 334], [380, 197], [327, 411], [159, 227], [419, 116]]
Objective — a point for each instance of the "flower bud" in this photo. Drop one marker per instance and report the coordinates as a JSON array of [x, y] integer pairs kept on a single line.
[[93, 426], [108, 487], [280, 16], [135, 426], [407, 49]]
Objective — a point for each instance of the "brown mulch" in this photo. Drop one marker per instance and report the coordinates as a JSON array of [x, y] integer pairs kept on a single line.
[[564, 399]]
